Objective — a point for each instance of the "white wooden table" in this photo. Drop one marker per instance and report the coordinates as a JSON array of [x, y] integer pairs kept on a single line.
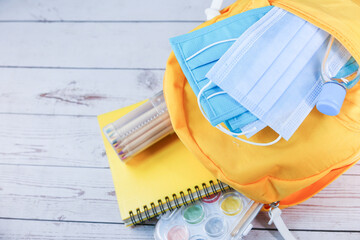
[[64, 62]]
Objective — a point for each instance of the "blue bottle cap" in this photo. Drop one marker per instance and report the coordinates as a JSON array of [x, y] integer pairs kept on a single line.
[[331, 98]]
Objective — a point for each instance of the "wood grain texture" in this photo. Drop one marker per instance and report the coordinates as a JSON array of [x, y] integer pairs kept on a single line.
[[64, 62], [306, 235], [109, 10], [58, 193], [75, 92], [51, 141], [87, 194], [89, 45], [43, 230]]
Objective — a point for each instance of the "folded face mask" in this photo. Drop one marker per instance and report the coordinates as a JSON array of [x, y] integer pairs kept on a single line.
[[198, 51], [248, 130], [274, 69]]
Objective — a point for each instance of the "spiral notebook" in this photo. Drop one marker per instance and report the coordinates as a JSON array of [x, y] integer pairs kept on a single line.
[[161, 178]]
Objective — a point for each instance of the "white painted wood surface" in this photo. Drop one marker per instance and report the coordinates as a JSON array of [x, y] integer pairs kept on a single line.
[[44, 230], [108, 10], [75, 92], [64, 62], [120, 45]]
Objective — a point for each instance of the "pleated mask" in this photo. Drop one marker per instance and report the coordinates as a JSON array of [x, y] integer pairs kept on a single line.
[[198, 51], [274, 68]]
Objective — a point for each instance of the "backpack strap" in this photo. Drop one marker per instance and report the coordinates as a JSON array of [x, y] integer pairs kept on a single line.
[[275, 217]]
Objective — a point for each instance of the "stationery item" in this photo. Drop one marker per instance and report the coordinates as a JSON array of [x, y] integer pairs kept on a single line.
[[140, 128], [163, 177], [199, 50], [273, 69], [333, 92], [220, 216]]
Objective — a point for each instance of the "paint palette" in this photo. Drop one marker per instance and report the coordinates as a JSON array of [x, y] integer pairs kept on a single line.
[[219, 216]]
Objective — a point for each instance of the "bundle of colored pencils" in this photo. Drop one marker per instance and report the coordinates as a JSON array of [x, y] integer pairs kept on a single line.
[[140, 128]]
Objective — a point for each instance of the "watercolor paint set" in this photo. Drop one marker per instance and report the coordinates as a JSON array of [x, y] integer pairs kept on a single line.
[[218, 216]]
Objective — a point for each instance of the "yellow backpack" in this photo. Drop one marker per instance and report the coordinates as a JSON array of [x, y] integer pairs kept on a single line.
[[291, 171]]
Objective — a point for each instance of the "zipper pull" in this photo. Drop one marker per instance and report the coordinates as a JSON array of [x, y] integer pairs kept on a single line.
[[275, 217], [274, 214]]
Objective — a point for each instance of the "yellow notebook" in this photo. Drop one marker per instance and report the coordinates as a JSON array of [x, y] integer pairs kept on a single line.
[[160, 178]]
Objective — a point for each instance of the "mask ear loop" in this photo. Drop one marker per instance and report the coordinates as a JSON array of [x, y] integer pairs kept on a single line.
[[208, 84], [209, 46], [325, 72], [226, 131]]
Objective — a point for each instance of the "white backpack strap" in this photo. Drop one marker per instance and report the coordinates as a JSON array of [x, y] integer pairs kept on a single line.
[[214, 9], [275, 217]]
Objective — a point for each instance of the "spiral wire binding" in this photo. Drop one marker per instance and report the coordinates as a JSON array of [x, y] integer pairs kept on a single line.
[[212, 185], [138, 212], [191, 195], [146, 210], [153, 207], [168, 203], [162, 209], [183, 198], [205, 190], [132, 218], [176, 204], [198, 192], [221, 186]]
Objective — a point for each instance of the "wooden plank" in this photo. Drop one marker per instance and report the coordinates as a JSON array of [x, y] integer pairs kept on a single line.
[[43, 230], [51, 141], [9, 229], [355, 170], [110, 10], [305, 235], [82, 190], [87, 194], [56, 193], [89, 45], [75, 92]]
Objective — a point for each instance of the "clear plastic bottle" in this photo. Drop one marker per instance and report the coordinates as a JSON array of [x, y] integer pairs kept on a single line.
[[334, 89]]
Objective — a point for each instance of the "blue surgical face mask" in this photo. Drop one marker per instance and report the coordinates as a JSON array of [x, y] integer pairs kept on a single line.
[[273, 69], [198, 51], [248, 130]]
